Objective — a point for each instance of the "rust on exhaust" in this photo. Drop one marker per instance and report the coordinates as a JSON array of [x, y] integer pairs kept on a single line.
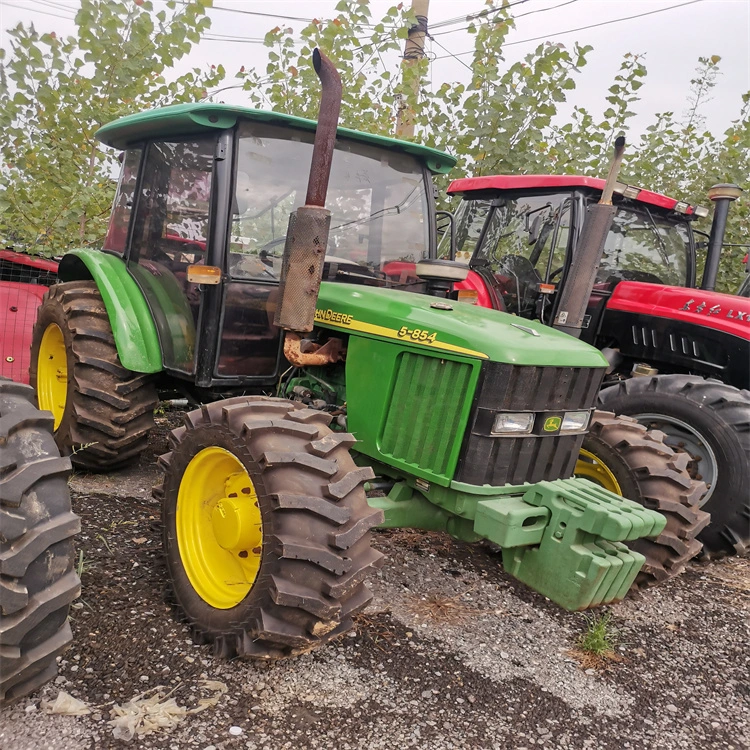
[[325, 134], [332, 351], [307, 233]]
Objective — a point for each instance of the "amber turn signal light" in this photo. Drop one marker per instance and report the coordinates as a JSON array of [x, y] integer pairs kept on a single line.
[[200, 274]]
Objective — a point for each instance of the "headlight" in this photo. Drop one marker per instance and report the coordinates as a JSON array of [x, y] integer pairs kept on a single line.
[[575, 421], [513, 424]]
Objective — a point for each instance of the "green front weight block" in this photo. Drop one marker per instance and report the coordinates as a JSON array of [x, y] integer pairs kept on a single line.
[[580, 561]]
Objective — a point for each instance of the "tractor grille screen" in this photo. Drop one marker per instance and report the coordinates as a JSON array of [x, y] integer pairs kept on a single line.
[[425, 411], [493, 460]]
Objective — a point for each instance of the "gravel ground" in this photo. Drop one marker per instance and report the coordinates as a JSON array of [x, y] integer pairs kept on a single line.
[[452, 653]]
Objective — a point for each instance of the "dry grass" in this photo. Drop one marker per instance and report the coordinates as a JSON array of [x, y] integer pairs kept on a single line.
[[376, 631], [435, 541], [438, 608], [734, 573], [601, 661]]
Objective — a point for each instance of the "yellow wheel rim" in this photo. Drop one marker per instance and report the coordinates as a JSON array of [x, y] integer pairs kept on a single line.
[[590, 467], [52, 373], [219, 528]]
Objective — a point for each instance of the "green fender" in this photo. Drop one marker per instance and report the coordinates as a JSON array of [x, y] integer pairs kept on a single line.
[[129, 315]]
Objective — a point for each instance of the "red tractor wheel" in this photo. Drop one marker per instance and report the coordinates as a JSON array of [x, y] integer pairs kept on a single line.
[[709, 422]]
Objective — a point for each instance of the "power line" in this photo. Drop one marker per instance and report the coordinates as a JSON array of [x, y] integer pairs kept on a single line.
[[473, 16], [35, 10], [450, 54], [252, 12], [240, 39], [581, 28], [520, 15]]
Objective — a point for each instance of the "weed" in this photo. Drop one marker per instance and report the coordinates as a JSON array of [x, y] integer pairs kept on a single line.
[[83, 564], [600, 637], [82, 447], [106, 544]]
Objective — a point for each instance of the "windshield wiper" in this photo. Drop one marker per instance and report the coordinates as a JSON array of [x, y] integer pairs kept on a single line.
[[662, 246]]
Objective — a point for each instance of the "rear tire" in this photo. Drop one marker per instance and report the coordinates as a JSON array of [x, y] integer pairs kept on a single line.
[[719, 415], [107, 411], [314, 521], [644, 469], [37, 579]]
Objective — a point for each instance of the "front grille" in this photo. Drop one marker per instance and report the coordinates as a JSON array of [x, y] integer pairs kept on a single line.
[[424, 414], [498, 461]]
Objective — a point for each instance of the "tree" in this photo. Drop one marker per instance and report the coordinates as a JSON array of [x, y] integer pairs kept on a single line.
[[56, 182]]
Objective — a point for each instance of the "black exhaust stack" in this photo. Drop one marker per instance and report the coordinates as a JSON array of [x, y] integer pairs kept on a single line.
[[722, 195], [307, 233], [579, 281]]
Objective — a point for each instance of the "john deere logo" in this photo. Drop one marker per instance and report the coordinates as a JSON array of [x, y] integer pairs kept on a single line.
[[552, 424]]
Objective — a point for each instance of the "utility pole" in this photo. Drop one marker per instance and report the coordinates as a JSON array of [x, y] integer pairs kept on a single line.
[[413, 54]]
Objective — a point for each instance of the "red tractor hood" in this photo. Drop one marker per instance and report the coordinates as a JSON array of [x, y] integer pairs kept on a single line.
[[723, 312]]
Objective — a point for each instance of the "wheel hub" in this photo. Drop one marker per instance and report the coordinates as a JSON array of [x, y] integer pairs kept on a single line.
[[235, 522], [52, 373], [591, 467], [219, 527], [684, 438]]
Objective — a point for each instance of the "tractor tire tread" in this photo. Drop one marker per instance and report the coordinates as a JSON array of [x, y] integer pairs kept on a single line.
[[37, 577], [110, 409], [661, 486], [317, 542], [729, 506]]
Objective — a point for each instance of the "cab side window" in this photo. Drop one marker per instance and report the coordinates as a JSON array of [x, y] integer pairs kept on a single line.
[[122, 208]]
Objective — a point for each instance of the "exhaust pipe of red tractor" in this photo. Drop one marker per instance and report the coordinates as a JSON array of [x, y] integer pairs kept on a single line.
[[722, 195], [307, 233], [574, 297]]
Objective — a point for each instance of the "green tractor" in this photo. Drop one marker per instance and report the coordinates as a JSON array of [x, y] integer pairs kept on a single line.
[[319, 369]]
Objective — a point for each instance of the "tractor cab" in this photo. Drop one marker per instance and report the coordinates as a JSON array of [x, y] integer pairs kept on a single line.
[[519, 233], [200, 218]]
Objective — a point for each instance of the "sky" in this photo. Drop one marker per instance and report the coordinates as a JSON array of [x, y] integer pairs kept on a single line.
[[671, 41]]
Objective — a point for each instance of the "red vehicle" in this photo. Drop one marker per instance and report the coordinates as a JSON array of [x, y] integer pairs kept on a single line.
[[679, 351], [23, 281]]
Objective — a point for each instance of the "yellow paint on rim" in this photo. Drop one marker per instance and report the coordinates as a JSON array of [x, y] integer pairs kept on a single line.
[[52, 373], [591, 467], [219, 527]]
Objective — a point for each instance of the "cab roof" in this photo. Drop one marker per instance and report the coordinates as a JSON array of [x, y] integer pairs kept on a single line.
[[203, 117], [563, 181]]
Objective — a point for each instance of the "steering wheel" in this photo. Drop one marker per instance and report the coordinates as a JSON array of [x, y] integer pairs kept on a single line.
[[263, 252], [520, 267]]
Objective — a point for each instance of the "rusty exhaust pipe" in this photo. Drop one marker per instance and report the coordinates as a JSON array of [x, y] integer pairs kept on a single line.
[[307, 233], [581, 276]]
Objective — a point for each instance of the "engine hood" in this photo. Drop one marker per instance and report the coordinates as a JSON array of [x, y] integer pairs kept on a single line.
[[722, 312], [456, 328]]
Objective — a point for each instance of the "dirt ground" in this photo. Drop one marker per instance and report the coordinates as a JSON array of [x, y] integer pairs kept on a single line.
[[452, 653]]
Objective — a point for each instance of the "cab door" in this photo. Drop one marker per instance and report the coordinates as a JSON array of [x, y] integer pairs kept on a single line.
[[170, 232]]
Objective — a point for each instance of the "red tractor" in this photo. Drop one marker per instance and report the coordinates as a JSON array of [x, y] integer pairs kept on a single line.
[[679, 352], [23, 281]]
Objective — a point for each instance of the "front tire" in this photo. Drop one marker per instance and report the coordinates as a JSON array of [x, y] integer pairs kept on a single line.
[[103, 412], [266, 527], [629, 460], [710, 421], [37, 579]]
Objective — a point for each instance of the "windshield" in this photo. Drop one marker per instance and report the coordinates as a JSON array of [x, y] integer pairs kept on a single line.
[[642, 246], [524, 244], [377, 199]]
